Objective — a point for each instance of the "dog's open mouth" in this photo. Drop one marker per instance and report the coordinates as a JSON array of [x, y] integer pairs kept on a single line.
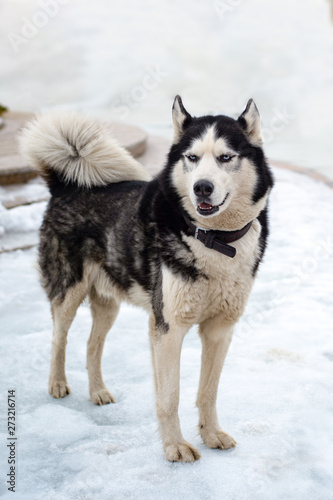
[[207, 209]]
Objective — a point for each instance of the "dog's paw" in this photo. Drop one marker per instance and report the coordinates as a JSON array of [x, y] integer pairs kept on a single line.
[[182, 452], [102, 397], [59, 388], [218, 439]]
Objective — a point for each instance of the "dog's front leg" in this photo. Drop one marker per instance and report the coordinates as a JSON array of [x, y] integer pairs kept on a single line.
[[216, 337], [166, 348]]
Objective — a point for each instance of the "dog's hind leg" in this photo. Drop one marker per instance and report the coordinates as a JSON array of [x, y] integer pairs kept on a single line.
[[166, 348], [216, 337], [104, 312], [63, 313]]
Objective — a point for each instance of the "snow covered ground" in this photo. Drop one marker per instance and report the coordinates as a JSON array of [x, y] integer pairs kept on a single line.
[[275, 399]]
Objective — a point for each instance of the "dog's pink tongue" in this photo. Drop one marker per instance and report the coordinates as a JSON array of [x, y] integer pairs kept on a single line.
[[205, 205]]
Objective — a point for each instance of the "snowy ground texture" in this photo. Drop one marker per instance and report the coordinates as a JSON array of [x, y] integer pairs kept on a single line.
[[275, 397]]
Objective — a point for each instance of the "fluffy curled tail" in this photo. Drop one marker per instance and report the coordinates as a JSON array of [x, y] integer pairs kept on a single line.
[[78, 150]]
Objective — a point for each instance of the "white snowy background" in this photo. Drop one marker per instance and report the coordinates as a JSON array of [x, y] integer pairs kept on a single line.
[[276, 392], [97, 56]]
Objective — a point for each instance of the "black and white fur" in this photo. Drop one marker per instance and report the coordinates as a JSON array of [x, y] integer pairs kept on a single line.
[[112, 233]]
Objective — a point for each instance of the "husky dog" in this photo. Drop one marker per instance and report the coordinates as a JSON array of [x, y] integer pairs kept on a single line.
[[112, 233]]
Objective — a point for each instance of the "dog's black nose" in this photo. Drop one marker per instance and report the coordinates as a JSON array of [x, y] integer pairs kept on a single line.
[[203, 188]]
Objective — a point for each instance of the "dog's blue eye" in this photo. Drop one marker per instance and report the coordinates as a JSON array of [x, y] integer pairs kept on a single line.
[[192, 158], [225, 158]]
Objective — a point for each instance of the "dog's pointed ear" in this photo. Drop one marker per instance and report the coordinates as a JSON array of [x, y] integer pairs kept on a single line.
[[179, 116], [249, 121]]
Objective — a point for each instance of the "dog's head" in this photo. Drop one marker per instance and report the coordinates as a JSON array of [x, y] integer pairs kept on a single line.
[[218, 168]]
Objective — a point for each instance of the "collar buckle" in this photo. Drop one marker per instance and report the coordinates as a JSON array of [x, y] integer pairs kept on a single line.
[[196, 232]]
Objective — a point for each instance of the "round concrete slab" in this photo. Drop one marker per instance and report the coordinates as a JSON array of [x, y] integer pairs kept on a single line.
[[14, 170]]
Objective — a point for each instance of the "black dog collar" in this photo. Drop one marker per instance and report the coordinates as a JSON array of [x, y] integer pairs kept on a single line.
[[217, 240]]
